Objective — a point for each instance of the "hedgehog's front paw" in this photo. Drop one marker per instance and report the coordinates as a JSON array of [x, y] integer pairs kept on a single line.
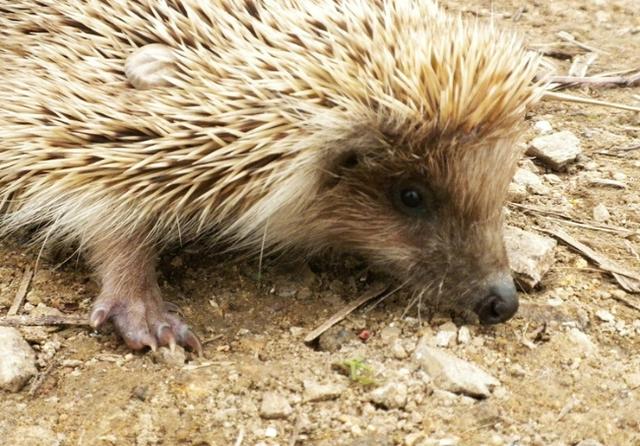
[[144, 322]]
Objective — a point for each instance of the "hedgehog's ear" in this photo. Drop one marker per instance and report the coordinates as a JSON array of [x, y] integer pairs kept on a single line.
[[348, 160], [339, 166]]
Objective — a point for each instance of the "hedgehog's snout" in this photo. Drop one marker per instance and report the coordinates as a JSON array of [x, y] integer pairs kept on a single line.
[[500, 302]]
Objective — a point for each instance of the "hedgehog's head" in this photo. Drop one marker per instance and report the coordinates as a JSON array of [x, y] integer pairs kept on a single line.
[[419, 185], [429, 212]]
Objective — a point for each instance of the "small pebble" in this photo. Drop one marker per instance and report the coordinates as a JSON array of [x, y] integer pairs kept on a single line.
[[601, 213], [274, 406], [446, 335], [314, 391], [390, 396], [619, 176], [17, 360], [464, 335], [397, 350], [632, 380], [543, 127], [605, 316], [175, 358], [271, 432]]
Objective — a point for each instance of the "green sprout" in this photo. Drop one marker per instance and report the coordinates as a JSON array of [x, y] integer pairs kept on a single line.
[[357, 371]]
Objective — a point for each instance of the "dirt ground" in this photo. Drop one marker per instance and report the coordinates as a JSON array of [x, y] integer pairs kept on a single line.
[[555, 389]]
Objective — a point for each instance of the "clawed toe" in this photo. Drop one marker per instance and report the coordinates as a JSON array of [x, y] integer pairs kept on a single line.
[[145, 324]]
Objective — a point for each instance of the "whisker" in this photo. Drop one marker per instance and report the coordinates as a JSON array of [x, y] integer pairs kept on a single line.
[[385, 296]]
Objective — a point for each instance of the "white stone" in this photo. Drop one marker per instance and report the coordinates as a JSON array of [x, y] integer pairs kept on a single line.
[[543, 127], [391, 396], [464, 335], [517, 192], [271, 432], [556, 150], [632, 380], [604, 182], [397, 350], [314, 391], [601, 213], [274, 406], [589, 442], [17, 360], [452, 373], [530, 181], [530, 255], [446, 335], [619, 176], [552, 178], [605, 316]]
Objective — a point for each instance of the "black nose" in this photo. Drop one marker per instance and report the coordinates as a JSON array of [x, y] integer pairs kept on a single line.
[[500, 304]]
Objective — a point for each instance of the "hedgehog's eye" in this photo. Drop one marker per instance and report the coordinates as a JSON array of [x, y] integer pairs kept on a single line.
[[411, 198]]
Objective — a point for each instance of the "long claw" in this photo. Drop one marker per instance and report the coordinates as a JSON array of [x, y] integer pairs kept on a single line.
[[172, 308], [166, 337], [192, 341], [98, 317]]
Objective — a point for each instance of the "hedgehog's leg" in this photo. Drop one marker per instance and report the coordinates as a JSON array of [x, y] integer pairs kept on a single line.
[[131, 298]]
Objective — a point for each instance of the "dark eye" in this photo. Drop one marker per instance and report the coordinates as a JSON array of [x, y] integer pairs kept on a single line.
[[412, 198]]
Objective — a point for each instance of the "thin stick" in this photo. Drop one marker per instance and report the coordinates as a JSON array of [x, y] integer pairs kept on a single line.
[[344, 312], [627, 279], [596, 81], [296, 431], [556, 96], [625, 301], [563, 218], [21, 294], [25, 320], [569, 38], [40, 377], [240, 438]]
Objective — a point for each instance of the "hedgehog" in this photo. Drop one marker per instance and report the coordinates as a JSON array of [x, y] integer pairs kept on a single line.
[[382, 128]]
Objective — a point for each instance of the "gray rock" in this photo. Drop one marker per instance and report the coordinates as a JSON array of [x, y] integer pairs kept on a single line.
[[314, 391], [556, 150], [274, 406], [530, 255], [391, 395], [17, 360], [453, 374], [334, 338]]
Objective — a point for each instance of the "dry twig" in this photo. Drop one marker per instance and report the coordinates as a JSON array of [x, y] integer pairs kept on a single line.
[[627, 279], [26, 320], [23, 289], [372, 293]]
